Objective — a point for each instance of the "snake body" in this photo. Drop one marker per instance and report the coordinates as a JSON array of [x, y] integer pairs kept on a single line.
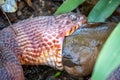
[[38, 42]]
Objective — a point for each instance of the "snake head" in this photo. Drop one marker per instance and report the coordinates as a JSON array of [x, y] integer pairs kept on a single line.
[[69, 22]]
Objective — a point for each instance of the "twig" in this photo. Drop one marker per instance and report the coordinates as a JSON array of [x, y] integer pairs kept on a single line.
[[10, 24]]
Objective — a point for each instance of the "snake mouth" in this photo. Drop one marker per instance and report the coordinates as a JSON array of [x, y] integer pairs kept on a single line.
[[81, 22], [69, 32]]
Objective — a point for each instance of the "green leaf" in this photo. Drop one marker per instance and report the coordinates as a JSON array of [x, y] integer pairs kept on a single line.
[[57, 74], [68, 6], [102, 10], [109, 57]]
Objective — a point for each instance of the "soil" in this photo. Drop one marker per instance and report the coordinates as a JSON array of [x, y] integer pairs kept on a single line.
[[45, 7]]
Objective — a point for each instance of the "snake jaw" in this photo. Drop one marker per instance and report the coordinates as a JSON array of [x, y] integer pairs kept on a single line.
[[53, 55]]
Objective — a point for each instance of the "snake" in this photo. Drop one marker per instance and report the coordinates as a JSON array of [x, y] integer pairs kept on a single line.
[[38, 41]]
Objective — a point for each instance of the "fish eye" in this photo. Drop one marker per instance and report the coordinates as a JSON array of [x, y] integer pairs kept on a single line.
[[73, 17]]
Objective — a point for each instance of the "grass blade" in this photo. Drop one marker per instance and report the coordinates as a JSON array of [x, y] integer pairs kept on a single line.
[[68, 6], [109, 57], [102, 10]]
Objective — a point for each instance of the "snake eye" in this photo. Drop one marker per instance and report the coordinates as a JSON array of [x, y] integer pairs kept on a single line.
[[73, 17]]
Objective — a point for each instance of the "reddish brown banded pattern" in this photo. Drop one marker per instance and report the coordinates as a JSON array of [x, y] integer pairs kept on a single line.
[[55, 41], [37, 45], [69, 32]]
